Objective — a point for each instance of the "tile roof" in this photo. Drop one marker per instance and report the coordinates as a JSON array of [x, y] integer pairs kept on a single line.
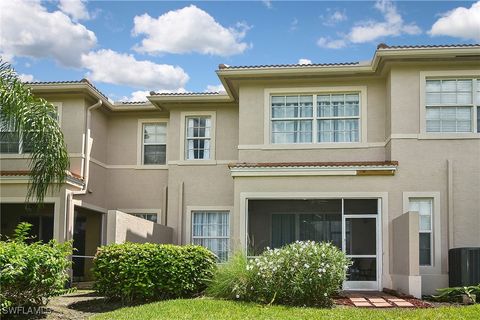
[[383, 46], [153, 93], [380, 47], [294, 65], [22, 173], [86, 81], [132, 102], [314, 164]]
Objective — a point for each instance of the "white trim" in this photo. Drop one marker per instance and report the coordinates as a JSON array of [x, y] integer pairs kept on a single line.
[[382, 221], [213, 128], [158, 212], [363, 105], [140, 124], [304, 171], [435, 268]]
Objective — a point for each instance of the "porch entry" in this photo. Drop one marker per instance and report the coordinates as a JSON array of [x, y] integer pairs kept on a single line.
[[350, 224]]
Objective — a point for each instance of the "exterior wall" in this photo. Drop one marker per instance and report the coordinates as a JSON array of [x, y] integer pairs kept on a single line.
[[406, 270], [123, 227], [72, 124], [200, 183], [252, 123]]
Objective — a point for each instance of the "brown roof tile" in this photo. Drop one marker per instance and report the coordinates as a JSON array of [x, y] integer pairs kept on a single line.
[[312, 164]]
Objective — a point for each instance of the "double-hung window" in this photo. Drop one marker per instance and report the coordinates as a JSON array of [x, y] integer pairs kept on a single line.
[[338, 117], [14, 142], [424, 207], [198, 137], [211, 229], [452, 105], [9, 138], [154, 143], [292, 119], [316, 118]]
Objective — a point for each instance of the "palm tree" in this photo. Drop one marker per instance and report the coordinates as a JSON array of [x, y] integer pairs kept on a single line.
[[35, 119]]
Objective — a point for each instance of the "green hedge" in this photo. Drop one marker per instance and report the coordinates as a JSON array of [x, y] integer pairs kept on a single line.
[[31, 273], [146, 272]]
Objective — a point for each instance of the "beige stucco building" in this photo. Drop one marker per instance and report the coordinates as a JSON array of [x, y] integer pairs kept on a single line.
[[381, 158]]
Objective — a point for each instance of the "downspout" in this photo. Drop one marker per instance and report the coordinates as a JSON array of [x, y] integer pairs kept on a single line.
[[86, 165]]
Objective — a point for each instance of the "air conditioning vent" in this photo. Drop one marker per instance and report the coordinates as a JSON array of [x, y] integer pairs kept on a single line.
[[463, 267]]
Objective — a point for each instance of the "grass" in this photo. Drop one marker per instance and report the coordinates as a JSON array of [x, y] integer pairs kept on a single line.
[[207, 308]]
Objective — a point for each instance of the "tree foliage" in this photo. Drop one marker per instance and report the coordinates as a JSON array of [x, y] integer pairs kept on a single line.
[[35, 119]]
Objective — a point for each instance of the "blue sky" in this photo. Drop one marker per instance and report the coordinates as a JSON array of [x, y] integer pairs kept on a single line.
[[128, 48]]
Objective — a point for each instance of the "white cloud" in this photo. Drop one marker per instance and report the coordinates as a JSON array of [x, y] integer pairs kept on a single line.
[[460, 22], [215, 88], [371, 30], [141, 95], [26, 77], [29, 30], [267, 3], [188, 30], [123, 69], [392, 26], [333, 18], [328, 43], [294, 24], [76, 9], [304, 61]]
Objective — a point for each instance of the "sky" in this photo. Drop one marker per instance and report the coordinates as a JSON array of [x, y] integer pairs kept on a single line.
[[129, 48]]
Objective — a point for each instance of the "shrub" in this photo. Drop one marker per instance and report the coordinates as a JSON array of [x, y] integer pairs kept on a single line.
[[143, 272], [455, 294], [301, 274], [230, 279], [31, 273]]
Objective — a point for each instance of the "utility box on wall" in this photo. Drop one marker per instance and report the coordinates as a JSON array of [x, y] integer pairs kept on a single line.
[[463, 267]]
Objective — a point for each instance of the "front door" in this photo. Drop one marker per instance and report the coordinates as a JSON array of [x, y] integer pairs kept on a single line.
[[360, 244]]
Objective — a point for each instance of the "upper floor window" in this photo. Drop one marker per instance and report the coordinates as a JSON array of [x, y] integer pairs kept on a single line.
[[315, 118], [9, 138], [14, 142], [154, 143], [197, 137], [452, 105]]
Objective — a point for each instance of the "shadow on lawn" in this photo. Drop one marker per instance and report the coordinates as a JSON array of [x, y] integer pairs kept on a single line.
[[97, 305]]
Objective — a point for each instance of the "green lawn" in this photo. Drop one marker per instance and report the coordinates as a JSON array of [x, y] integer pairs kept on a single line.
[[204, 308]]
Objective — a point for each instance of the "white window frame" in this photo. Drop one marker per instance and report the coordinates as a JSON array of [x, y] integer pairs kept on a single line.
[[436, 248], [20, 153], [449, 75], [314, 91], [189, 222], [183, 137], [140, 137]]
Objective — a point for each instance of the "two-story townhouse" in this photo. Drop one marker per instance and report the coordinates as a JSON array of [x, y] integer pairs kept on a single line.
[[380, 158]]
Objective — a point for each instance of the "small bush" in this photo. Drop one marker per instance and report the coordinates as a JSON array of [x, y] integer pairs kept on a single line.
[[31, 273], [231, 278], [146, 272], [300, 274], [454, 294]]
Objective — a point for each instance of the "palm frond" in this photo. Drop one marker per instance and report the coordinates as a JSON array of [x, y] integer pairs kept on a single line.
[[35, 119]]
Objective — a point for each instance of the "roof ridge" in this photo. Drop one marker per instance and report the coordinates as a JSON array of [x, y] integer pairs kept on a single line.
[[291, 65], [192, 93]]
